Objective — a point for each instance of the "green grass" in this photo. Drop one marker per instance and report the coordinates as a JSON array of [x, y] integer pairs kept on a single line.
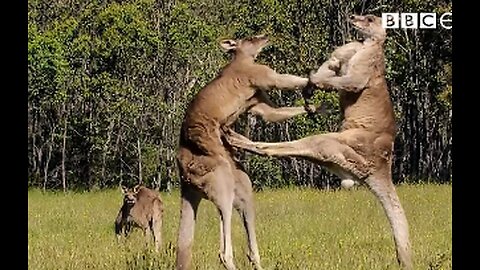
[[296, 229]]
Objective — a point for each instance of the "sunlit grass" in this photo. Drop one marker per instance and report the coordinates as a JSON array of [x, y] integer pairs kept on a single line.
[[296, 229]]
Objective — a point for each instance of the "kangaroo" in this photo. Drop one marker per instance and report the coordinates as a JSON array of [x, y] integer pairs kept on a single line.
[[362, 150], [143, 208], [206, 165]]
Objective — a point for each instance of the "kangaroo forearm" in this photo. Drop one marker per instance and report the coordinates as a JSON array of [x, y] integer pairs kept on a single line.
[[290, 82], [345, 83], [284, 113], [271, 114], [320, 76]]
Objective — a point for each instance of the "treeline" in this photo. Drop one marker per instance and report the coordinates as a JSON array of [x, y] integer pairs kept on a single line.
[[109, 82]]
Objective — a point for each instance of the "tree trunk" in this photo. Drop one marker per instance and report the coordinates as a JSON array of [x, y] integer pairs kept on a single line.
[[105, 150], [312, 167], [64, 143], [49, 155], [294, 160], [139, 151]]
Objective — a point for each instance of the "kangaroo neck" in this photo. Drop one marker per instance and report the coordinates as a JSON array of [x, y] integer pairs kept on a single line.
[[242, 57], [373, 41]]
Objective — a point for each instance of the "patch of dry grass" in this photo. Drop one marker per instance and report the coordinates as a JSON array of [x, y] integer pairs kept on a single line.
[[296, 229]]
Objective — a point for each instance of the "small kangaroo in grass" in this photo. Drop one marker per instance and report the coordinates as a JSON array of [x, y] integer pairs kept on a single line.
[[143, 208], [363, 148]]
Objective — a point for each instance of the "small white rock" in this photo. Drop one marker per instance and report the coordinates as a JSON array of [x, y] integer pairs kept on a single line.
[[347, 183]]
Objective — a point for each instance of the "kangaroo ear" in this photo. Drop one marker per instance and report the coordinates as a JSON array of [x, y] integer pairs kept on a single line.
[[124, 189], [135, 188], [228, 45]]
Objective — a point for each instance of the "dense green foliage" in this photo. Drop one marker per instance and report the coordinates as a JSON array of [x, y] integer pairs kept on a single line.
[[337, 230], [109, 81]]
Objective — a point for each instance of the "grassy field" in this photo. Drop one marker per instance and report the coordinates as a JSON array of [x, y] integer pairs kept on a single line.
[[296, 229]]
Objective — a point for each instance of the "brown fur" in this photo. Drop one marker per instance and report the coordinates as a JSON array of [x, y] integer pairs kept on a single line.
[[362, 149], [143, 208], [207, 169]]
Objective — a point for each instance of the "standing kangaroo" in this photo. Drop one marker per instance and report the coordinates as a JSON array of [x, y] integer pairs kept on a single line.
[[362, 149], [142, 207], [206, 166]]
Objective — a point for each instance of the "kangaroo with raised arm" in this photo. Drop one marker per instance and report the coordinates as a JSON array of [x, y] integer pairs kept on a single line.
[[206, 164], [362, 150]]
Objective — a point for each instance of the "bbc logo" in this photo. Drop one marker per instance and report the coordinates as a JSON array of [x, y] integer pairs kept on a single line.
[[416, 20]]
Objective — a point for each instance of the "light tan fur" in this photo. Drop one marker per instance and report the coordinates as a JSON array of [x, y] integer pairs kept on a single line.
[[337, 65], [206, 165], [142, 208], [362, 149], [341, 56]]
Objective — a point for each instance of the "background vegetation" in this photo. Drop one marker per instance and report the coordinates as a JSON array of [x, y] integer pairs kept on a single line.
[[109, 81]]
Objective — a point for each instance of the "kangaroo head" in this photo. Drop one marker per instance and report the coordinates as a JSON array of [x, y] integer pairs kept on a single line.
[[130, 195], [250, 46], [369, 25]]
